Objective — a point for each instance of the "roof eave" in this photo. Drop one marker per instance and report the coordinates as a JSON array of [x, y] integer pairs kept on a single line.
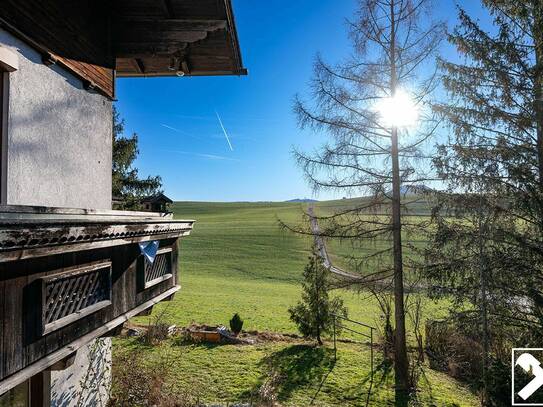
[[234, 36]]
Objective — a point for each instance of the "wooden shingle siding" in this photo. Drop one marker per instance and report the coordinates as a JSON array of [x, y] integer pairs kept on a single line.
[[2, 328], [22, 341], [76, 33], [12, 357], [102, 78]]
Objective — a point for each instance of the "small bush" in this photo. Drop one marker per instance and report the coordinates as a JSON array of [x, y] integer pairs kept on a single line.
[[236, 324], [137, 383], [453, 351], [155, 334], [157, 329]]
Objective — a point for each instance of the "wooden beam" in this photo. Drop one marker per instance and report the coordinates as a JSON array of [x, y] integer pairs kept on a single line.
[[49, 251], [168, 9], [114, 332], [185, 67], [64, 363], [54, 357], [241, 72], [170, 298], [49, 59], [145, 312], [179, 23], [40, 389], [145, 37], [138, 63], [144, 49]]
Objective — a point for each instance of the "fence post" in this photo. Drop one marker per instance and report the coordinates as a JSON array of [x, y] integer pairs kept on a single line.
[[371, 352], [335, 347]]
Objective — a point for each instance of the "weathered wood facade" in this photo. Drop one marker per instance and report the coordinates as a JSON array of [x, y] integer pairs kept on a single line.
[[98, 39], [69, 276]]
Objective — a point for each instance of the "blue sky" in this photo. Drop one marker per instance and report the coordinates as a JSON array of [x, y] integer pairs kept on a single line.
[[175, 118]]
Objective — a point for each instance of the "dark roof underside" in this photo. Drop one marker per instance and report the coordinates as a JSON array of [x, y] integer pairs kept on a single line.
[[92, 38], [175, 37]]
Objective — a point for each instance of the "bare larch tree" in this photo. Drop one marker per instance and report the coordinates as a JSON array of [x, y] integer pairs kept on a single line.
[[369, 155]]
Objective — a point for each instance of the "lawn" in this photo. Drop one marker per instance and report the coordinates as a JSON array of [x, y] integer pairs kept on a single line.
[[239, 260]]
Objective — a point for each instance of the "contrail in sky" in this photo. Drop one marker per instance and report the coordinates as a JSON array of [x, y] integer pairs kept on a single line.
[[170, 127], [224, 131], [202, 155], [179, 131]]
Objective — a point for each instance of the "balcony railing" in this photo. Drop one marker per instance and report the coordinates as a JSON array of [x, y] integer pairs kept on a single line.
[[68, 276], [27, 232]]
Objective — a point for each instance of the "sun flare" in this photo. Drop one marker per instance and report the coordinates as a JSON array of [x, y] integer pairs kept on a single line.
[[398, 111]]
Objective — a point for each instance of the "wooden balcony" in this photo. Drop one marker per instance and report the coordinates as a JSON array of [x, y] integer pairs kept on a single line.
[[68, 276]]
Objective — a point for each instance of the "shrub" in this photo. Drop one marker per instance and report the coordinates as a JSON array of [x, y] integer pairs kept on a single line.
[[155, 334], [455, 348], [137, 383], [453, 351], [157, 329], [236, 324]]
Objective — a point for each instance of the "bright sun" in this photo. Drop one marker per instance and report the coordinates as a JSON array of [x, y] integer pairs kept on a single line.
[[398, 111]]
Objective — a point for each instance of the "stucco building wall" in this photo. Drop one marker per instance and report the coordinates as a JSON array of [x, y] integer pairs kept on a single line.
[[87, 382], [58, 141], [56, 151]]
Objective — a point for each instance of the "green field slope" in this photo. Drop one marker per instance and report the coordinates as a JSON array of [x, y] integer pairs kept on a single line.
[[239, 260]]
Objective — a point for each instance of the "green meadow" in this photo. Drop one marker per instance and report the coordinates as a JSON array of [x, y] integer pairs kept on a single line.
[[238, 259]]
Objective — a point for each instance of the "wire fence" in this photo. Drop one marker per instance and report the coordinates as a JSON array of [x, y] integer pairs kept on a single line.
[[369, 334]]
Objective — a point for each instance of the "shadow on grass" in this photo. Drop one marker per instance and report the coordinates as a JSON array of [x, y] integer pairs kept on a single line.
[[189, 343], [308, 367], [259, 276], [373, 381], [291, 368]]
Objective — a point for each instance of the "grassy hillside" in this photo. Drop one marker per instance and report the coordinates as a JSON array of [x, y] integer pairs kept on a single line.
[[344, 255], [238, 260]]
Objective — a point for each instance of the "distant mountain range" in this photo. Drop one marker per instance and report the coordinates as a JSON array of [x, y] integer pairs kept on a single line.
[[414, 189], [302, 200]]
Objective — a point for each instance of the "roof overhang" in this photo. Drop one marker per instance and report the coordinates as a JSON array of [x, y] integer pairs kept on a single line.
[[98, 39], [175, 38]]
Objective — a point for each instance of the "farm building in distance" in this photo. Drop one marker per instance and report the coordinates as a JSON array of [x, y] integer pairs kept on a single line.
[[69, 278], [156, 203]]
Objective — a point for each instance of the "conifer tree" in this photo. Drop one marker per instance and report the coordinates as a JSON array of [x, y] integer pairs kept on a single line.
[[313, 314], [488, 248], [394, 44], [126, 182]]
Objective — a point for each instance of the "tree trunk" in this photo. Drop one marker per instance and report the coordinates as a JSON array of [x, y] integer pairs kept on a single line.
[[401, 363], [484, 305], [538, 82]]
